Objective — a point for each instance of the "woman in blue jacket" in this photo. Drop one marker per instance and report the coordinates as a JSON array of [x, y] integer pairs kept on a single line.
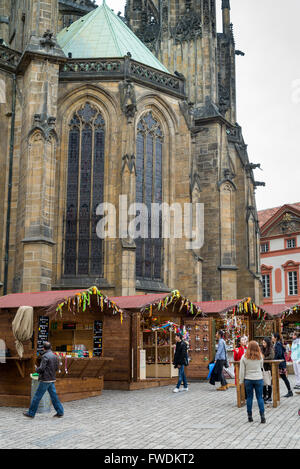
[[279, 355]]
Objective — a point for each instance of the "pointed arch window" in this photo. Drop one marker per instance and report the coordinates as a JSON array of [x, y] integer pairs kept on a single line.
[[149, 152], [83, 250]]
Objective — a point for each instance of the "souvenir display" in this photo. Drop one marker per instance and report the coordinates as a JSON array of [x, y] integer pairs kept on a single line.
[[290, 322], [199, 341], [43, 333]]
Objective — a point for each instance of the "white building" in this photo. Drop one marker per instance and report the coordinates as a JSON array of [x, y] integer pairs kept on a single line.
[[280, 254]]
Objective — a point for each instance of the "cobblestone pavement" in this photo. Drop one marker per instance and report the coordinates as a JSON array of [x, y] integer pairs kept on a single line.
[[156, 419]]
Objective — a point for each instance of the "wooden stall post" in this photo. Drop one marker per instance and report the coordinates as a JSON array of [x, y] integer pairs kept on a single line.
[[240, 388], [275, 381]]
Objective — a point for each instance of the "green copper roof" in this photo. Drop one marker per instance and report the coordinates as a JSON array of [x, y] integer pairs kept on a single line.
[[101, 33]]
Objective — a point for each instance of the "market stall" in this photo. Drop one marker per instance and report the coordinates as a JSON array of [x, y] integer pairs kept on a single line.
[[237, 318], [77, 323], [290, 322], [155, 319], [245, 319]]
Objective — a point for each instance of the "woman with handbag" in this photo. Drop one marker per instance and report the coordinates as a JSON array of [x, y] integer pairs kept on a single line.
[[268, 354], [251, 375], [280, 355], [220, 362]]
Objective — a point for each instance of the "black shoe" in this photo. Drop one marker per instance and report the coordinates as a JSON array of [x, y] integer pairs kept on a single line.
[[289, 394], [262, 418], [27, 415], [250, 419], [58, 416]]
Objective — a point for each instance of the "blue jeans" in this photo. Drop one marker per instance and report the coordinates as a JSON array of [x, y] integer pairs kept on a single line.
[[181, 377], [42, 388], [250, 386]]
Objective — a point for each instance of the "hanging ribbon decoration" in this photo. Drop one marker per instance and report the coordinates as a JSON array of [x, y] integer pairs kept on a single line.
[[173, 298], [83, 300]]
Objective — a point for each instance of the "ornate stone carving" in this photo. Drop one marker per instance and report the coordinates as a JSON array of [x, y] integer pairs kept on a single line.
[[187, 109], [224, 99], [128, 99], [129, 161], [289, 223], [188, 27], [47, 40], [43, 126], [9, 58]]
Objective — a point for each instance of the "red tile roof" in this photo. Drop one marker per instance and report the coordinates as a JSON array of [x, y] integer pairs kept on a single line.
[[265, 215]]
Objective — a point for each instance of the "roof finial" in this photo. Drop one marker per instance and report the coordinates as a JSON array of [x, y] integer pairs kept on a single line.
[[225, 4]]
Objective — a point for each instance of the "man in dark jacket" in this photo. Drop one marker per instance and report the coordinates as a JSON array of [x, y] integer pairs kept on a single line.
[[180, 361], [47, 377]]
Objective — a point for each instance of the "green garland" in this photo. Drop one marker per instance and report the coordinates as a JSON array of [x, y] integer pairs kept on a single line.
[[173, 298], [83, 300]]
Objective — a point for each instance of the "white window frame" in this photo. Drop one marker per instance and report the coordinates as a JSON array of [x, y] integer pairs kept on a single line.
[[266, 281], [293, 283]]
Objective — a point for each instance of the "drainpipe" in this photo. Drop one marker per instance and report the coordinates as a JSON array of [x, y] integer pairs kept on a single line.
[[9, 191]]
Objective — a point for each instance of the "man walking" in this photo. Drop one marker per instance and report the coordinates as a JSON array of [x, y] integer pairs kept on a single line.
[[47, 377], [180, 361]]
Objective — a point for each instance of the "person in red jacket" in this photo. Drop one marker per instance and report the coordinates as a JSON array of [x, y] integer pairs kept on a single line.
[[239, 351]]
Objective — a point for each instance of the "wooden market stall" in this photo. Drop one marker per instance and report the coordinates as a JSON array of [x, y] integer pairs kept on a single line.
[[78, 324], [155, 319], [290, 322], [239, 318]]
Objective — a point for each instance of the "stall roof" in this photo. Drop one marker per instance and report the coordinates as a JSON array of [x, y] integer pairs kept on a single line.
[[220, 306], [283, 310], [55, 299], [276, 309], [36, 299], [46, 298], [224, 306], [138, 301]]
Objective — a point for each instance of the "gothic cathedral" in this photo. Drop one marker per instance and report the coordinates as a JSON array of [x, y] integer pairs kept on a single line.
[[96, 108]]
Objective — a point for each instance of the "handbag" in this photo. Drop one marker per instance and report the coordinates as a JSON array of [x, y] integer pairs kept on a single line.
[[267, 377], [226, 365]]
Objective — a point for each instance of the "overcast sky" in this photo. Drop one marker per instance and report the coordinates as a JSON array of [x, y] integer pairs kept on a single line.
[[268, 92]]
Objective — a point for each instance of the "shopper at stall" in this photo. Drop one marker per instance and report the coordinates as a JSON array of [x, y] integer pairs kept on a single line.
[[296, 357], [268, 352], [280, 355], [47, 377], [180, 361], [252, 376], [220, 362], [239, 350]]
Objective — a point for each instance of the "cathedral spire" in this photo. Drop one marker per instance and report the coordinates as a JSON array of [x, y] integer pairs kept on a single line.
[[226, 16]]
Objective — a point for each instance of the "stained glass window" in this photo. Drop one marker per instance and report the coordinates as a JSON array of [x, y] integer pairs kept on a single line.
[[83, 253], [149, 151]]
